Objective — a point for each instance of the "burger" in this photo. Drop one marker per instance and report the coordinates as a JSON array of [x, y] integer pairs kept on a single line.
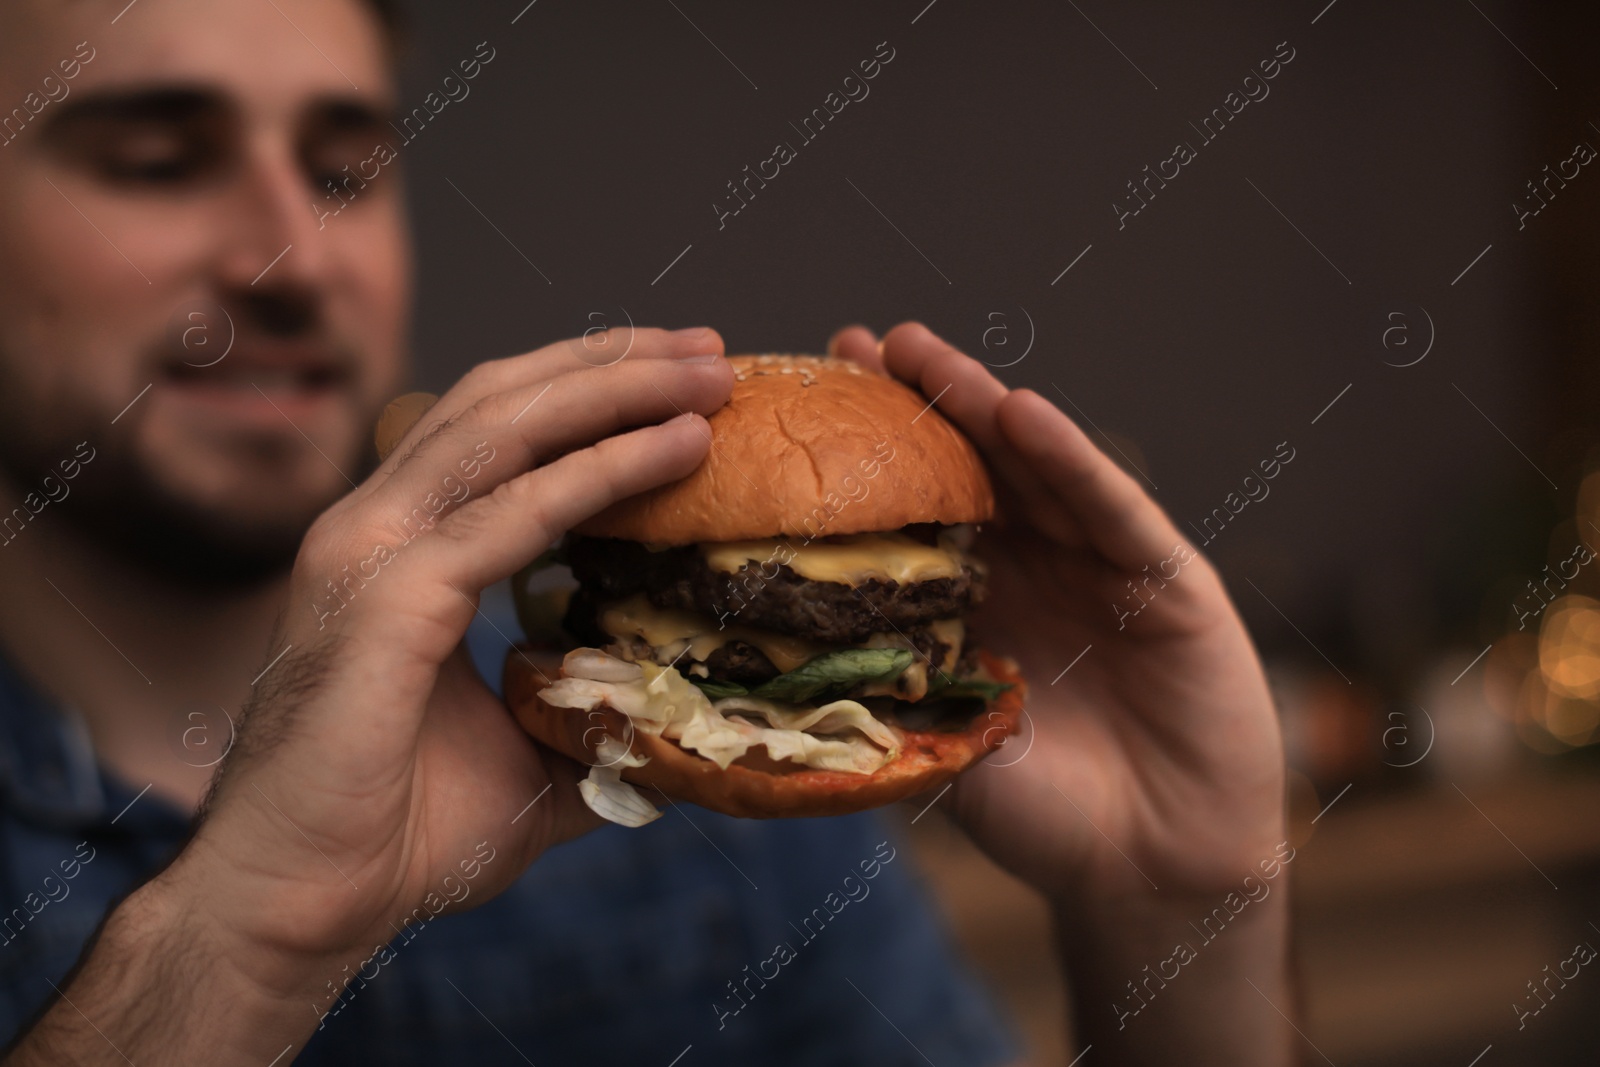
[[783, 632]]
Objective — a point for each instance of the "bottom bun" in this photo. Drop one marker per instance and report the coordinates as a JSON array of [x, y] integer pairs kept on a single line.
[[756, 787]]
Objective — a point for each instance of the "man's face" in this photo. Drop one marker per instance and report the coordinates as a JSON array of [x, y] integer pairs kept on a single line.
[[161, 207]]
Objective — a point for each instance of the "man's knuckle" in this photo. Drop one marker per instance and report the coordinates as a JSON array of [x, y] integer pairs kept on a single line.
[[606, 464], [492, 409], [328, 536], [519, 504], [485, 377]]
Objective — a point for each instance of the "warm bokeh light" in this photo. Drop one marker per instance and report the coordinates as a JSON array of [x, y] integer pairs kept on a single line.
[[1549, 684], [1569, 647], [1572, 721]]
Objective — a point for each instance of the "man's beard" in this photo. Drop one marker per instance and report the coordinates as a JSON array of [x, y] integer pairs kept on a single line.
[[117, 504]]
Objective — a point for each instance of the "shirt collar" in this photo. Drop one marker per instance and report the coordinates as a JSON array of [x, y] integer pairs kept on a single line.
[[48, 771]]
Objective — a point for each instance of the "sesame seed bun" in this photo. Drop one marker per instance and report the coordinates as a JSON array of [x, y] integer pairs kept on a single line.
[[805, 437]]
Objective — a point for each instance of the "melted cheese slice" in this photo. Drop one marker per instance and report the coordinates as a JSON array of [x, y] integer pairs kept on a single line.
[[849, 560], [912, 683], [670, 631]]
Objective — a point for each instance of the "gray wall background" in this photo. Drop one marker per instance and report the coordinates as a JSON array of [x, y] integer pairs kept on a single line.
[[1199, 336]]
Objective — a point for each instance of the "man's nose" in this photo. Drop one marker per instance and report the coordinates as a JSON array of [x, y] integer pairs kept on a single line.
[[271, 227]]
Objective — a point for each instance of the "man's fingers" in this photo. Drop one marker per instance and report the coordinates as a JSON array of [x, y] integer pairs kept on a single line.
[[488, 539], [909, 349], [592, 351], [965, 390], [1119, 519], [1053, 468], [505, 434], [967, 393], [858, 345]]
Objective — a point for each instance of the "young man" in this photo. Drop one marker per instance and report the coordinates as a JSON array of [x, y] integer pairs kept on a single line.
[[173, 514]]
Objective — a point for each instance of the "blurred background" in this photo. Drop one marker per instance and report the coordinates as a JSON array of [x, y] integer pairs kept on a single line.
[[1378, 262]]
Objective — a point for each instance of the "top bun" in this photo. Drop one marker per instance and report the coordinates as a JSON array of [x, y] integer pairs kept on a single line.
[[811, 447]]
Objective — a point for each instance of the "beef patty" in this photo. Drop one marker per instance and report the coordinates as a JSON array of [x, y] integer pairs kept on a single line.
[[740, 661], [609, 569]]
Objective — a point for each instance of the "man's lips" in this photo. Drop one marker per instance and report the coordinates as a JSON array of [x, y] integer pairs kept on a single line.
[[257, 385]]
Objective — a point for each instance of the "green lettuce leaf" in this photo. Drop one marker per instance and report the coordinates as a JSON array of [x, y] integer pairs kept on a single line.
[[833, 674], [820, 679], [953, 688]]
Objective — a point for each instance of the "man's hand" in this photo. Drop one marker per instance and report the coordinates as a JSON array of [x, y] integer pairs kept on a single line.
[[1147, 781], [374, 774]]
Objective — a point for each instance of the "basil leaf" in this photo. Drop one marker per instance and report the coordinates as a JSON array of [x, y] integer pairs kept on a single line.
[[833, 674]]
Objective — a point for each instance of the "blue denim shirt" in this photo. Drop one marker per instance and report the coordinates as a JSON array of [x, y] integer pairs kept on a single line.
[[698, 939]]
